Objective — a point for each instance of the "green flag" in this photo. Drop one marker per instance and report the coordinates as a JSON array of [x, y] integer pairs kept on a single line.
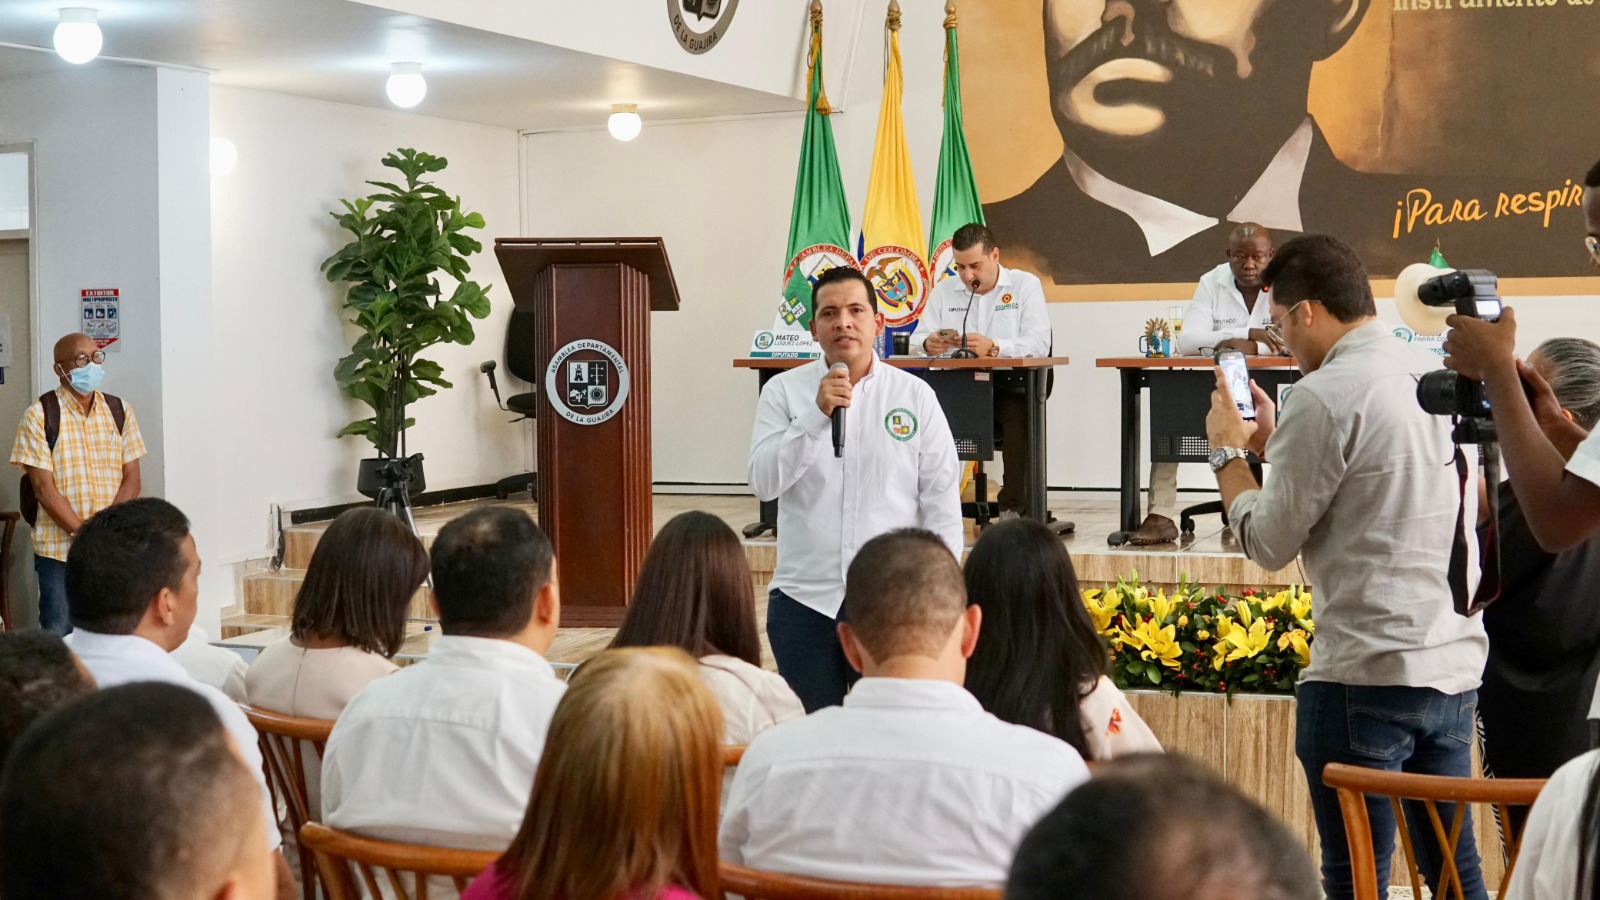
[[1437, 259], [819, 227], [955, 194]]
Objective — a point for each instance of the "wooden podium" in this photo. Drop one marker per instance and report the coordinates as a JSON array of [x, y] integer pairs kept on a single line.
[[591, 300]]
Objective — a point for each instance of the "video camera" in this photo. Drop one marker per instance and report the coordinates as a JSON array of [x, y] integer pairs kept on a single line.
[[1472, 292]]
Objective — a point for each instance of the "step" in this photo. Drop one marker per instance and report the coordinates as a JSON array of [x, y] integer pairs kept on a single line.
[[272, 594]]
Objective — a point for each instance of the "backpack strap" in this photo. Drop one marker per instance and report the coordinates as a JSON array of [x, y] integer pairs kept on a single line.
[[118, 413], [52, 418]]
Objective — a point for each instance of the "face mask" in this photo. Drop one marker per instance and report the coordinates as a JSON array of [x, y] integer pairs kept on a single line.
[[86, 380]]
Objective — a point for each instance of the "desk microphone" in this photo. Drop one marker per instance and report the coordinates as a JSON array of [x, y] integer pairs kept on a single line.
[[963, 352], [838, 419]]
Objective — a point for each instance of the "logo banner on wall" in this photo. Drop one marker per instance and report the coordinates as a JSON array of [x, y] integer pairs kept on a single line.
[[892, 222], [1122, 155]]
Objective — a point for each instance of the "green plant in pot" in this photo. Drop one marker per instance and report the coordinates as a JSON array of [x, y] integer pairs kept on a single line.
[[405, 237]]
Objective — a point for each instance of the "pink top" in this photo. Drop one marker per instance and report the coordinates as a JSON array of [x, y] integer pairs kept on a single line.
[[492, 885]]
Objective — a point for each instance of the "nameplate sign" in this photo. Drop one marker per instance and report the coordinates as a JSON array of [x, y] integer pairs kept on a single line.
[[784, 345]]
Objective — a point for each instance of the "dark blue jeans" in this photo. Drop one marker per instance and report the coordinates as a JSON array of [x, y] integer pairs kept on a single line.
[[806, 645], [53, 614], [1398, 729]]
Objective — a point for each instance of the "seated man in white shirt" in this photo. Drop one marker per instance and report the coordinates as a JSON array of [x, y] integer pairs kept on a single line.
[[1229, 311], [910, 781], [443, 752], [137, 793], [1002, 313], [1160, 825], [132, 590]]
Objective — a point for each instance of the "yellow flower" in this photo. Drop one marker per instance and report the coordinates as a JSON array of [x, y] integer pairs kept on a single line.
[[1297, 640], [1275, 601], [1102, 608], [1161, 606], [1155, 642], [1242, 643], [1203, 635]]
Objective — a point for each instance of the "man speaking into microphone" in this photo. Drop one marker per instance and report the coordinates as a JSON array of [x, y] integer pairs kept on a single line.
[[891, 464], [999, 312]]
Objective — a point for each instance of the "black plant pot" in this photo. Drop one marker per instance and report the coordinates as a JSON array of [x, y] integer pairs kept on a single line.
[[378, 473]]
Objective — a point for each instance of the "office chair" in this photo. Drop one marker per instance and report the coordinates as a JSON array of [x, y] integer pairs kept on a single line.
[[520, 361]]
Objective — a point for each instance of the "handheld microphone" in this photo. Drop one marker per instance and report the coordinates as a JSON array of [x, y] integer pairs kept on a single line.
[[838, 418], [962, 352]]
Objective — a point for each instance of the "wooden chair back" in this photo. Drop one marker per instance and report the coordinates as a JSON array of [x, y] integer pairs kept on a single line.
[[350, 864], [752, 884], [1355, 783], [286, 743]]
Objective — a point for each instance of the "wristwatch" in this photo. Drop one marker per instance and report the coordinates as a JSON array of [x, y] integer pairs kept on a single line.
[[994, 349], [1221, 456]]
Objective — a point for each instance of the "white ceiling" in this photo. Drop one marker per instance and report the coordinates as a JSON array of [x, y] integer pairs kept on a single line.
[[340, 51]]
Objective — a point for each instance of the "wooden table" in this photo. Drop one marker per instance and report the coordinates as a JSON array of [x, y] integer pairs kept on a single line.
[[1036, 372], [1139, 372]]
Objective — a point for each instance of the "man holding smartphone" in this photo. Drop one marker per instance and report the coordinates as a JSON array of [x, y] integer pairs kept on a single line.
[[1002, 313], [1365, 489]]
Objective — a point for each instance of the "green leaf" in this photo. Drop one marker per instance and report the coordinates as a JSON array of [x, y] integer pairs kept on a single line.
[[1153, 673]]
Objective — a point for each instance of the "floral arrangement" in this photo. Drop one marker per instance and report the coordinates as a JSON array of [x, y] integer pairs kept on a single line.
[[1203, 640]]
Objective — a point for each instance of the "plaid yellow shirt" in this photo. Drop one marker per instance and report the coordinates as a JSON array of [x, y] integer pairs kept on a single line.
[[87, 461]]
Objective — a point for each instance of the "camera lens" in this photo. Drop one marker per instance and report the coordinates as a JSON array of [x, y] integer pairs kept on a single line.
[[1436, 392]]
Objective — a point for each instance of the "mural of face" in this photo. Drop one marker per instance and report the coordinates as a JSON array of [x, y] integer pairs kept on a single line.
[[1129, 68]]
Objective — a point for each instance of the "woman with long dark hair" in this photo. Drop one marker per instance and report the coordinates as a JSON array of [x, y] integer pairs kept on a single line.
[[349, 617], [1039, 661], [695, 593]]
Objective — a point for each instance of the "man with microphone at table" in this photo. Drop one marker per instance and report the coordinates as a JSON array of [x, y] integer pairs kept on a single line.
[[851, 447], [1000, 312]]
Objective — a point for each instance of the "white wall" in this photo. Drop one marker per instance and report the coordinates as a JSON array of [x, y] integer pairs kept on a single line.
[[96, 223], [277, 322], [720, 193]]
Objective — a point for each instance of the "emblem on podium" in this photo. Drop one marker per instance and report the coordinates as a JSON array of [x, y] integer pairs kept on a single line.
[[586, 382]]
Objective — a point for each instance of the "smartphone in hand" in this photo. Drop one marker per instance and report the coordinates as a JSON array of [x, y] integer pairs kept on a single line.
[[1238, 378]]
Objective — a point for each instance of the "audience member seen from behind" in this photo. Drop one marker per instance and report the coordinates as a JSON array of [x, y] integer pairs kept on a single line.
[[624, 806], [37, 674], [443, 752], [1163, 826], [133, 577], [1039, 661], [92, 463], [695, 593], [1544, 631], [1363, 487], [135, 793], [909, 782], [349, 617], [1561, 844]]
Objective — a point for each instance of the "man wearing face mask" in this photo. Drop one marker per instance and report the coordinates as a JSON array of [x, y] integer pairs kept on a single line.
[[80, 449], [1002, 311]]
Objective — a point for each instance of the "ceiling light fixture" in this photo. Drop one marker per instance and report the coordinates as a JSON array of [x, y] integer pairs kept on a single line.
[[624, 123], [224, 156], [77, 37], [406, 87]]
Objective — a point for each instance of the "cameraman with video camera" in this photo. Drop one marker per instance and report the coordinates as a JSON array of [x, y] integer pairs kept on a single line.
[[1554, 463]]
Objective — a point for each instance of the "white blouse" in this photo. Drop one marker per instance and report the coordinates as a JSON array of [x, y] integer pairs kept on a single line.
[[1110, 725], [315, 684], [752, 699]]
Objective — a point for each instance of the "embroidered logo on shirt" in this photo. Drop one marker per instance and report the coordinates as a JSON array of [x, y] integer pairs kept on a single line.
[[1006, 304], [1116, 723], [901, 424], [1006, 299]]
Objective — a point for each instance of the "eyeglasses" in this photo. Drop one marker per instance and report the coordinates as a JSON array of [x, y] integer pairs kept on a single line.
[[83, 359], [1593, 244], [1275, 327]]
